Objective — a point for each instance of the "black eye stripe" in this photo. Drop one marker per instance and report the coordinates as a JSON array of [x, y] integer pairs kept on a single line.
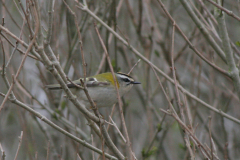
[[126, 80], [91, 79]]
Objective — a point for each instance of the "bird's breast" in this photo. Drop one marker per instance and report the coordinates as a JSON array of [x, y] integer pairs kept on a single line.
[[103, 97]]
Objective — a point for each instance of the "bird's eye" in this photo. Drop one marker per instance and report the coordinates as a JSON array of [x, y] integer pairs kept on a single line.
[[126, 80]]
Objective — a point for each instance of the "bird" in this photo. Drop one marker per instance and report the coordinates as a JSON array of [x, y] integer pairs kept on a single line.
[[101, 88]]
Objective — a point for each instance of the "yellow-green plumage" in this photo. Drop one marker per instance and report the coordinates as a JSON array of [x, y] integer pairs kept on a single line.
[[108, 75]]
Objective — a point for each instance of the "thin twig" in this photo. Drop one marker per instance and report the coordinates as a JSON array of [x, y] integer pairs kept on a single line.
[[174, 74], [226, 151], [189, 148], [79, 157], [15, 48], [187, 110], [4, 56], [159, 128], [61, 118], [165, 94], [8, 93], [80, 42], [84, 8], [50, 20], [23, 61], [191, 134], [26, 14], [76, 85], [118, 95], [230, 13], [48, 150], [208, 12], [34, 56], [210, 136], [202, 29], [53, 125], [19, 145], [221, 53], [101, 125], [226, 43], [114, 124], [113, 108], [93, 157], [134, 66]]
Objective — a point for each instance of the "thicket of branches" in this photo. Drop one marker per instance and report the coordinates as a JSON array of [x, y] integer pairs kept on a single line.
[[185, 54]]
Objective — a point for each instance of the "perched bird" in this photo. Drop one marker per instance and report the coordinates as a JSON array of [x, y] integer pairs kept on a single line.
[[101, 88]]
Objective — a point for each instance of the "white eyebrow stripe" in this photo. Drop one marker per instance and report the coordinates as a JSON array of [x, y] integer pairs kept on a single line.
[[123, 74], [123, 77]]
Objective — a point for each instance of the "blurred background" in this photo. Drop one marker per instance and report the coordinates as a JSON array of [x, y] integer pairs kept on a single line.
[[145, 26]]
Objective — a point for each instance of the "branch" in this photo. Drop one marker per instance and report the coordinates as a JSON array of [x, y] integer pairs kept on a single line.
[[135, 51], [232, 69], [53, 125], [23, 60], [203, 30], [118, 95], [230, 13]]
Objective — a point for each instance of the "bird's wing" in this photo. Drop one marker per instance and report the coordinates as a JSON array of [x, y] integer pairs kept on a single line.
[[91, 82]]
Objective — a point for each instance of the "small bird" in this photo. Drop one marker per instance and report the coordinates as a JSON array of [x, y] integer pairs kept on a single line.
[[101, 88]]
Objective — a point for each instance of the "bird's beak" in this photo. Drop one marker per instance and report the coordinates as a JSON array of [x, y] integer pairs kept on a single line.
[[136, 83]]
